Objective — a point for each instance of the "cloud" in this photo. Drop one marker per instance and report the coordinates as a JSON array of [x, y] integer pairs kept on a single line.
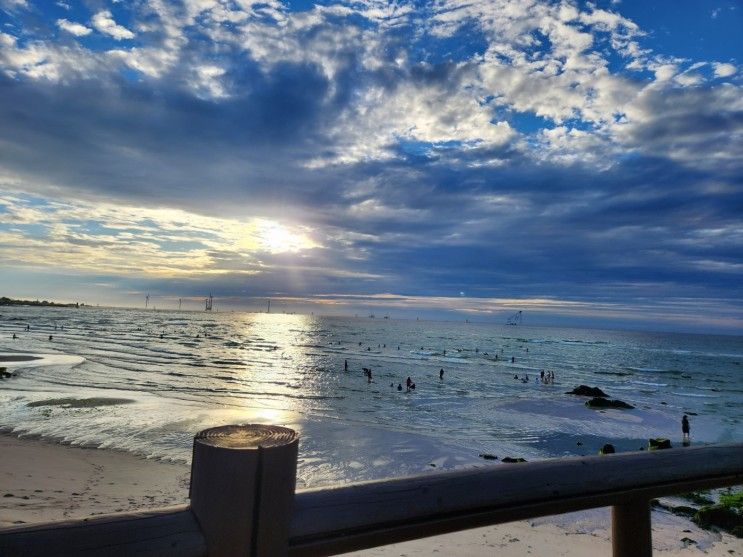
[[104, 22], [505, 149], [138, 240], [724, 69], [74, 28]]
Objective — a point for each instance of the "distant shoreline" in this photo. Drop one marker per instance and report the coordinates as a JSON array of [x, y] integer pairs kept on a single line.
[[4, 301]]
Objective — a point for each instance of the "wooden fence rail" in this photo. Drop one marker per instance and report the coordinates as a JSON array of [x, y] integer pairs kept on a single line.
[[243, 502]]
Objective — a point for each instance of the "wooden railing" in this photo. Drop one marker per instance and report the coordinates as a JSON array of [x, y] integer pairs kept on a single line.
[[243, 502]]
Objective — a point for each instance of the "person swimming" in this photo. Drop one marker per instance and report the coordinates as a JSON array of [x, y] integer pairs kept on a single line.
[[345, 365], [441, 373]]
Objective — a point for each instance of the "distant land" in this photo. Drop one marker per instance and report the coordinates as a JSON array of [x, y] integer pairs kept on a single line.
[[4, 301]]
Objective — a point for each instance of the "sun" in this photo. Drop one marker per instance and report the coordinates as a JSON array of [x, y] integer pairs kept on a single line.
[[277, 238]]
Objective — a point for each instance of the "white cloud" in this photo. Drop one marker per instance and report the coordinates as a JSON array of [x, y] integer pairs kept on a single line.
[[104, 22], [128, 239], [41, 60], [12, 4], [724, 69], [74, 28]]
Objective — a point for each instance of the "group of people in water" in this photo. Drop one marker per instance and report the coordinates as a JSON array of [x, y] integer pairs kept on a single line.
[[410, 386], [545, 377], [28, 329]]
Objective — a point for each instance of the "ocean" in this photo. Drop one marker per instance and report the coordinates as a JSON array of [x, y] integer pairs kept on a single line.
[[147, 381]]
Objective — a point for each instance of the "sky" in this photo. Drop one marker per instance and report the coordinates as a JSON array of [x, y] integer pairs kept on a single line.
[[448, 159]]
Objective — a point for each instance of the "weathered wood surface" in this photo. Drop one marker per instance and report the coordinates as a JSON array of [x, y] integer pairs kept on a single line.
[[242, 488], [170, 532], [335, 520], [631, 531]]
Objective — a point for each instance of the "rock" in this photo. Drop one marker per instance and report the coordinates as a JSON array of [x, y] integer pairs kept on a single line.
[[509, 460], [487, 456], [607, 449], [606, 403], [721, 517], [683, 510], [700, 498], [658, 443], [688, 541], [585, 390]]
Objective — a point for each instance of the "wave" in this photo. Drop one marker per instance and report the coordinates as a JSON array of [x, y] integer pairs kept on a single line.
[[695, 395], [655, 370]]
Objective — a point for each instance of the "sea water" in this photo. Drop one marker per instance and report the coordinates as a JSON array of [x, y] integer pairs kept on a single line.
[[146, 381]]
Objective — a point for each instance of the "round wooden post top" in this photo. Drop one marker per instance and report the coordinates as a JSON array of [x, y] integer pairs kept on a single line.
[[247, 436]]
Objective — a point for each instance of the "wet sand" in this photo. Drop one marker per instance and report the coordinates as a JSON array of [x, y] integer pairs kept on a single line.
[[42, 482], [17, 358]]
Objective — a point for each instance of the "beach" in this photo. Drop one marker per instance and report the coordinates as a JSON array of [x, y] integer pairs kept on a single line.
[[101, 419], [42, 481]]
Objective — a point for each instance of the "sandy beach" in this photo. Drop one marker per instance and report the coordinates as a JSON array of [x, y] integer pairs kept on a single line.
[[41, 481]]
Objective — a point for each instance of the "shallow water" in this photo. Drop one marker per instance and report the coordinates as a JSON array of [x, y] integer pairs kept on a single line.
[[125, 387]]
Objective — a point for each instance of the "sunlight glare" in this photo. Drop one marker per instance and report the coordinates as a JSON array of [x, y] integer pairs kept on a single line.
[[277, 238]]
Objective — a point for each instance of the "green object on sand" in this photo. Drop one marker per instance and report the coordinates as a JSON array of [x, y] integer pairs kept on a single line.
[[732, 500], [720, 516], [658, 443]]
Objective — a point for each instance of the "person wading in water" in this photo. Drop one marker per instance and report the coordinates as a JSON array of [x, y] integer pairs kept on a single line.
[[685, 429]]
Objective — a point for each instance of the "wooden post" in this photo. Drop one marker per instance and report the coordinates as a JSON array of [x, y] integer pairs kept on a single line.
[[242, 488], [630, 529]]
